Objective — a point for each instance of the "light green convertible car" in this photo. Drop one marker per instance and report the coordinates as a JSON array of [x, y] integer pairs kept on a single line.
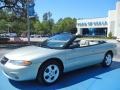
[[60, 53]]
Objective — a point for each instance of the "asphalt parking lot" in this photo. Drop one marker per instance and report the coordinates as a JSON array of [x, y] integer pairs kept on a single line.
[[91, 78]]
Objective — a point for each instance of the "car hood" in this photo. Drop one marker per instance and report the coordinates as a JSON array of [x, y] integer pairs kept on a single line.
[[30, 52]]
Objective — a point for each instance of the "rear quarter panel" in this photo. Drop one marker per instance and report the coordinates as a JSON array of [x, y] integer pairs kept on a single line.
[[104, 48], [97, 56]]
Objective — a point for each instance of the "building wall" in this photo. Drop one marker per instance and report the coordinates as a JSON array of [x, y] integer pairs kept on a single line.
[[112, 22], [91, 23], [117, 25]]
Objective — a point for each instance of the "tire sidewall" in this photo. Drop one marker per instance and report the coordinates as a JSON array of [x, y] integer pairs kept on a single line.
[[104, 61], [40, 76]]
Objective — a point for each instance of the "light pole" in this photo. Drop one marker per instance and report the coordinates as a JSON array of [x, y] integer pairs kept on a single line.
[[28, 21]]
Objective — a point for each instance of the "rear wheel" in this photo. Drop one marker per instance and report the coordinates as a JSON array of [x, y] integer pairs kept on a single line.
[[49, 72], [107, 60]]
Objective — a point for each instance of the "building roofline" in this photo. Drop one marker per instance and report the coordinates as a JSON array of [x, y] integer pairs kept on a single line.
[[91, 18]]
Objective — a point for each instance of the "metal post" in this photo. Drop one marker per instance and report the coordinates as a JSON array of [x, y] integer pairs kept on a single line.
[[28, 23]]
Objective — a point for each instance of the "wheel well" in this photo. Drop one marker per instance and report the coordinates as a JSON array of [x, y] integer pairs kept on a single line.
[[110, 51], [54, 59]]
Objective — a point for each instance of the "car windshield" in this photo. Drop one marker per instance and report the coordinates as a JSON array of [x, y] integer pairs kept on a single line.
[[57, 41]]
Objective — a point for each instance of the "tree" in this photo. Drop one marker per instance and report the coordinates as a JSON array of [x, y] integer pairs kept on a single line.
[[68, 24], [57, 28], [48, 22], [47, 16], [18, 7], [9, 22], [64, 25], [3, 26], [38, 28], [47, 26]]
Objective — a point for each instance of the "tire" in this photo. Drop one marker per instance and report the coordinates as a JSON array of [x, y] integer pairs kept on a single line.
[[107, 60], [49, 72]]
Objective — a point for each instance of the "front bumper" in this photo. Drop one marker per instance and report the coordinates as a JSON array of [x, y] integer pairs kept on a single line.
[[20, 73]]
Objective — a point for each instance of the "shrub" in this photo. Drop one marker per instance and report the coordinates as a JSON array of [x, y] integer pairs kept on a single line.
[[110, 35]]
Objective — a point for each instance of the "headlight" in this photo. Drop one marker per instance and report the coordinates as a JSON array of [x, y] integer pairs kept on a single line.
[[20, 62]]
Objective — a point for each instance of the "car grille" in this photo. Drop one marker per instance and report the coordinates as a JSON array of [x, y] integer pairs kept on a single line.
[[4, 60]]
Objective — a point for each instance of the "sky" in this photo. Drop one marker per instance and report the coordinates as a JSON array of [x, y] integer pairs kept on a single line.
[[74, 8]]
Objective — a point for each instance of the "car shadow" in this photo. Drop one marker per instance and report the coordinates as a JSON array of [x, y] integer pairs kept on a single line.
[[68, 79]]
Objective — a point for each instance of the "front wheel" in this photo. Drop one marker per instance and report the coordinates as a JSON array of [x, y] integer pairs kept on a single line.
[[49, 72], [107, 60]]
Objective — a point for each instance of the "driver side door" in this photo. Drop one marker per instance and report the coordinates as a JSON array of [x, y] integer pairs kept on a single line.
[[78, 57]]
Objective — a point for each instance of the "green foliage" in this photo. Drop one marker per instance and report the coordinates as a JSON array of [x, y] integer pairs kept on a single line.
[[47, 16], [13, 17], [9, 22], [47, 26], [64, 25], [18, 7], [2, 25], [47, 23], [38, 28], [110, 35]]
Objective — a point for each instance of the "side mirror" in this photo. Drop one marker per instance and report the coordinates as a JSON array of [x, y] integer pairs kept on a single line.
[[74, 46]]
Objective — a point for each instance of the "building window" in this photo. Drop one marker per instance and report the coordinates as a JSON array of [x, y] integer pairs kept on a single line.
[[100, 23], [106, 23], [103, 23], [90, 23], [85, 24], [79, 24], [95, 23]]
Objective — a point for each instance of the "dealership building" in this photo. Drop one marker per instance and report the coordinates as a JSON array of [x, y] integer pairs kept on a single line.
[[101, 26]]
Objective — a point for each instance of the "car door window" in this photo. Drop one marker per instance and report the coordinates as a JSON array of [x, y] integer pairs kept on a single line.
[[75, 43], [84, 43]]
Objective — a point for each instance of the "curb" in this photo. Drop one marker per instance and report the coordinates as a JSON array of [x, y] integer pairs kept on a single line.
[[12, 46]]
